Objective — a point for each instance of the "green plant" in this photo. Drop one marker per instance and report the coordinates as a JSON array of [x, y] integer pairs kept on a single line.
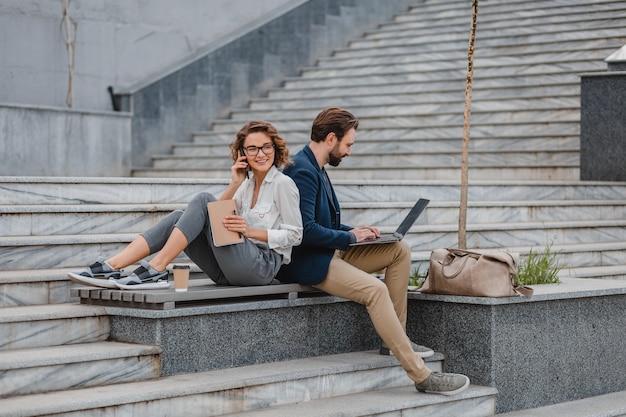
[[539, 267], [417, 277]]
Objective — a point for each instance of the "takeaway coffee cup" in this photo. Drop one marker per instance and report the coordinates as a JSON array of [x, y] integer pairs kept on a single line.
[[181, 277]]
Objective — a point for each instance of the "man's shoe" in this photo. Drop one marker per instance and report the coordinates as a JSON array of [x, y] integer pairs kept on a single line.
[[98, 274], [446, 384], [145, 277], [422, 351]]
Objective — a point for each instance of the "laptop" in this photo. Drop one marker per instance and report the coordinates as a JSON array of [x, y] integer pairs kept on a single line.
[[402, 230]]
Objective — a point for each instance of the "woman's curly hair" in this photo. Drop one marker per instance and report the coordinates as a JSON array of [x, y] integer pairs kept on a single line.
[[281, 152]]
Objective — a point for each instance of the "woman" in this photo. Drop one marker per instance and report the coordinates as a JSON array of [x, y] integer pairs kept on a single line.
[[269, 219]]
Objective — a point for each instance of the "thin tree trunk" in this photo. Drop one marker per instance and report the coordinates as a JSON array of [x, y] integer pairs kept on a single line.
[[69, 26], [466, 128]]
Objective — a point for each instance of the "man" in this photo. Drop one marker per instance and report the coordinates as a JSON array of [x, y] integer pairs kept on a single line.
[[325, 260]]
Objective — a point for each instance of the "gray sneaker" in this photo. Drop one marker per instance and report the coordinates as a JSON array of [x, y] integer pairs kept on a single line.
[[446, 384], [144, 278], [98, 274], [422, 351]]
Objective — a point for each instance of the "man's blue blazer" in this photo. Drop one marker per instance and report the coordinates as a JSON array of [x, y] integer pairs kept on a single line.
[[321, 219]]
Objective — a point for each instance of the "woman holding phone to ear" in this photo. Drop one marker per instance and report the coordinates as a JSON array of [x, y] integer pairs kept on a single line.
[[269, 219]]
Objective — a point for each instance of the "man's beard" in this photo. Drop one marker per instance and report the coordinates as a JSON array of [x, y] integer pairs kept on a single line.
[[333, 159]]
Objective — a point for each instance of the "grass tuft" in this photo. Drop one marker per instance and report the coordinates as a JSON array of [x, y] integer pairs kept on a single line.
[[417, 277], [539, 267]]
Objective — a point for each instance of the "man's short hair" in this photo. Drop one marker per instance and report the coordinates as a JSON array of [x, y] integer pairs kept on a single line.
[[333, 120]]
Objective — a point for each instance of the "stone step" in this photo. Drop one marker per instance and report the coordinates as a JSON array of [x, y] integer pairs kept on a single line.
[[51, 325], [478, 212], [532, 173], [617, 272], [408, 97], [475, 402], [582, 260], [480, 190], [61, 251], [495, 10], [35, 287], [505, 9], [352, 94], [514, 130], [441, 84], [402, 64], [479, 119], [421, 31], [493, 22], [590, 43], [506, 235], [412, 109], [406, 160], [527, 36], [379, 146], [44, 369], [613, 404], [102, 190], [483, 74], [439, 60], [58, 251], [96, 191], [41, 220], [493, 17], [57, 219], [224, 391]]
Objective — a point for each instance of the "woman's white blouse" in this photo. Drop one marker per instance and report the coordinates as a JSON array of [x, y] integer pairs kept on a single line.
[[277, 210]]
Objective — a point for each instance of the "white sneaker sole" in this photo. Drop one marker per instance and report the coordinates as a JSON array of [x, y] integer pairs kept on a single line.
[[146, 286], [425, 354], [94, 282]]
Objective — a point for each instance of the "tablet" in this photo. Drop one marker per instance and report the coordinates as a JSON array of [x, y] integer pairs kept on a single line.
[[217, 211]]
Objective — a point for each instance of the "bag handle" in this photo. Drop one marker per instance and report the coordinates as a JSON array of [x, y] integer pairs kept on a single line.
[[463, 252], [456, 253]]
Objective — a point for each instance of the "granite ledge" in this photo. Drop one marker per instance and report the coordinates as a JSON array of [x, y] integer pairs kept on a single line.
[[567, 289]]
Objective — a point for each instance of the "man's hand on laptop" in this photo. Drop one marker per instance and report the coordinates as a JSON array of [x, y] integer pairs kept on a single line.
[[365, 233]]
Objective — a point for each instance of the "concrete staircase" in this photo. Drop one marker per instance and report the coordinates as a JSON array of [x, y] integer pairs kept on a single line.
[[63, 346], [364, 382], [405, 81]]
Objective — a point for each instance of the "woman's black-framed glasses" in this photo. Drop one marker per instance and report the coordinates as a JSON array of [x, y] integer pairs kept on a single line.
[[267, 149]]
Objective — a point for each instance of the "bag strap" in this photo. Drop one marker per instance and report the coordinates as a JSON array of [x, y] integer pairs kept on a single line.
[[523, 290], [517, 287]]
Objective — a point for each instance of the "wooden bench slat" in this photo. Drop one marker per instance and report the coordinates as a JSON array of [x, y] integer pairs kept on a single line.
[[168, 298]]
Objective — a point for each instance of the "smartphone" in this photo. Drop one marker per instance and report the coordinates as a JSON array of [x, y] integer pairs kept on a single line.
[[244, 154]]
